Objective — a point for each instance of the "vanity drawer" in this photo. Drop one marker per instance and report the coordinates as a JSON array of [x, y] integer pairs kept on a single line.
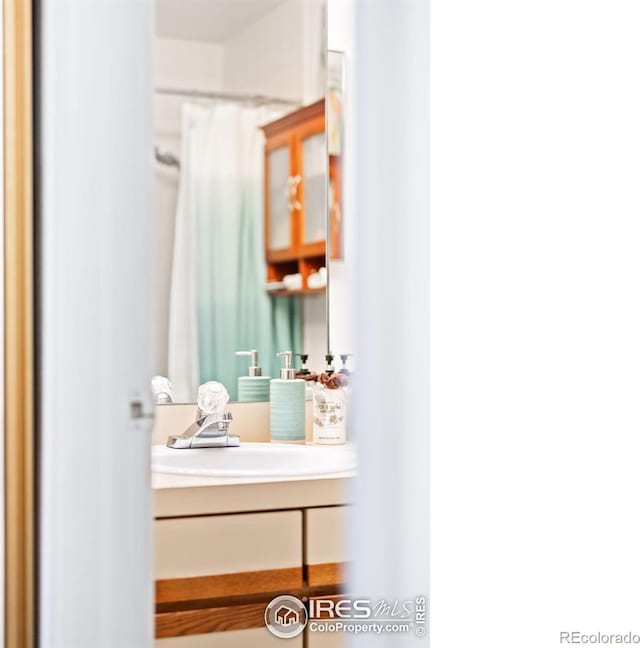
[[227, 555], [326, 551]]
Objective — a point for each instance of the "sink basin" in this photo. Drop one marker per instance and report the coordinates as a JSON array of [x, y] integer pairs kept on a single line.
[[255, 460]]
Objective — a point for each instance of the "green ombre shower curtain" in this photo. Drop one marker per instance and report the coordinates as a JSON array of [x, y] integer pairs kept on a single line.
[[218, 300]]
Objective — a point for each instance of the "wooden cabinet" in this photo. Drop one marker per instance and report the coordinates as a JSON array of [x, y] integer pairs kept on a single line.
[[295, 167], [215, 574], [201, 558]]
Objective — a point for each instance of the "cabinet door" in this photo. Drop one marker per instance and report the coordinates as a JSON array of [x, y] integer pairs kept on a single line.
[[326, 554], [312, 169], [206, 557], [279, 203]]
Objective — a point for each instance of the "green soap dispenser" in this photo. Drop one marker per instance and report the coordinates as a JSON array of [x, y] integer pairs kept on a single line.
[[254, 387], [287, 404]]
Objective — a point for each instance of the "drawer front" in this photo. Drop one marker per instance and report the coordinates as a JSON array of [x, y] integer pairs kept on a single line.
[[326, 550], [224, 555], [255, 638]]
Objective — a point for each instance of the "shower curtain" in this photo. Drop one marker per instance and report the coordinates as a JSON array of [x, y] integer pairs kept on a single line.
[[218, 300]]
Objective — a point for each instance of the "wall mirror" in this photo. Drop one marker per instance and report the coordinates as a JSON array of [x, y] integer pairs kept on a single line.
[[242, 206]]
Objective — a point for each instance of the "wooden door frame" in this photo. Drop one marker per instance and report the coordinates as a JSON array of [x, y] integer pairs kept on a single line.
[[19, 353]]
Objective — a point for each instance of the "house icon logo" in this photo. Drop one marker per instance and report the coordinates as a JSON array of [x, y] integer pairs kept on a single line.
[[285, 617]]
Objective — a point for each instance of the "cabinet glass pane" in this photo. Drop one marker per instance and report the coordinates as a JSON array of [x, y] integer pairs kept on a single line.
[[279, 219], [314, 164]]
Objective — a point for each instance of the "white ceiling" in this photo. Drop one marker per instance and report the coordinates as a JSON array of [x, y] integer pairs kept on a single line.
[[211, 21]]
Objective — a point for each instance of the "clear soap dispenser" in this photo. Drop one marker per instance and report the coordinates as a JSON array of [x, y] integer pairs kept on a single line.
[[254, 387], [287, 404]]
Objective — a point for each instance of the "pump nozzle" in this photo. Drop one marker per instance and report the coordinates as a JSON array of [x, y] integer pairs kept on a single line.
[[329, 358], [254, 369], [344, 357], [303, 358], [287, 372]]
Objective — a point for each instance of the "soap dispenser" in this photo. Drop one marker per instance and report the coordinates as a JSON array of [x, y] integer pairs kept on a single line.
[[330, 406], [254, 387], [287, 404], [304, 370]]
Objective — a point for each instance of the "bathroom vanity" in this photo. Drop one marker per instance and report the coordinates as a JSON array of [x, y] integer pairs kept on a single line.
[[225, 547]]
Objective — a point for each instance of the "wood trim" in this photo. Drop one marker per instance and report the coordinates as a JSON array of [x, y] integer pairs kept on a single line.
[[335, 209], [239, 613], [327, 574], [310, 128], [294, 215], [174, 590], [294, 293], [275, 142], [282, 256], [219, 619], [20, 584], [281, 141], [317, 249], [294, 118]]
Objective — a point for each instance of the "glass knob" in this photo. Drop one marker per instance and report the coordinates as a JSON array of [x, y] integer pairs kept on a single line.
[[212, 399]]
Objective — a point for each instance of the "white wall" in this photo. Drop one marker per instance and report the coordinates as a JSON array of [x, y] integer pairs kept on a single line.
[[266, 57], [290, 40], [181, 64], [314, 332], [314, 38]]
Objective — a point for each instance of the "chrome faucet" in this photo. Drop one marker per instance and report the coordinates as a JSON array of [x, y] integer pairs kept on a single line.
[[206, 432], [211, 427]]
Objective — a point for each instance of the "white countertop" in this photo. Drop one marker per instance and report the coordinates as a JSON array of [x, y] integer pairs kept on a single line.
[[177, 495]]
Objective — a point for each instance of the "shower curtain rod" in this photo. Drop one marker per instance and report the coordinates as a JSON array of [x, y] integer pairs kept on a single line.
[[168, 159], [226, 96]]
